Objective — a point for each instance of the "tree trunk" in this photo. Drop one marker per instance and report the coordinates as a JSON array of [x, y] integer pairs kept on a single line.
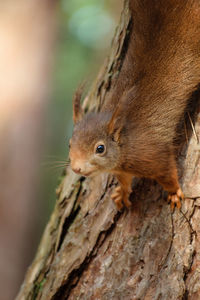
[[89, 250]]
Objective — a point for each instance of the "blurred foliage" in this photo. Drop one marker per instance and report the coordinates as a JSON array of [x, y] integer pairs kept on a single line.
[[85, 30]]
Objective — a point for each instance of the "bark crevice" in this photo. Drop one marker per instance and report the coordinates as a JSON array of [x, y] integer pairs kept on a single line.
[[73, 278]]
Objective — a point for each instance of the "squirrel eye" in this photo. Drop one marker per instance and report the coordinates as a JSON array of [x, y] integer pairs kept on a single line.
[[100, 149]]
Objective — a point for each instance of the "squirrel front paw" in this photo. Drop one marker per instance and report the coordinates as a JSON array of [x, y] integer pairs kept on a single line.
[[175, 199], [121, 198]]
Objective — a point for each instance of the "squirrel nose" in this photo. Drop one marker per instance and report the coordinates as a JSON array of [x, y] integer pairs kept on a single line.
[[77, 170]]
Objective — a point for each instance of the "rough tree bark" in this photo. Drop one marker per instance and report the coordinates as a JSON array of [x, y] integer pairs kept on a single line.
[[89, 250]]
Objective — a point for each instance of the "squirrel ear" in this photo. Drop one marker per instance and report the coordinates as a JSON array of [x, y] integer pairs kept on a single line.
[[115, 124], [77, 110], [118, 118]]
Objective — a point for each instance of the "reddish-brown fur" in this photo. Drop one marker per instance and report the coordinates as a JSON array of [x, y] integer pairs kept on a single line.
[[161, 69]]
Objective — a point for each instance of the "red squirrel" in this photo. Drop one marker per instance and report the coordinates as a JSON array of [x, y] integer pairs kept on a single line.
[[134, 133]]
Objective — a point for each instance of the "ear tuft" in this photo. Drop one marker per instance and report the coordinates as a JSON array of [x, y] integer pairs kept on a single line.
[[120, 114], [77, 110], [115, 124]]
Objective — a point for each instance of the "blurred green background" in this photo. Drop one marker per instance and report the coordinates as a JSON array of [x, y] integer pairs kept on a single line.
[[46, 51], [85, 31]]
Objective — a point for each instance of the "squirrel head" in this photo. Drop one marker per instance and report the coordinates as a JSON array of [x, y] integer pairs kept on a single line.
[[95, 143]]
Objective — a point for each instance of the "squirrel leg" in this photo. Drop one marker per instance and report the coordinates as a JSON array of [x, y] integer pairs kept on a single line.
[[121, 193], [171, 185]]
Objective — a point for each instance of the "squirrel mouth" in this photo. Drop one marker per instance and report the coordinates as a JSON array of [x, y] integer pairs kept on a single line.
[[87, 174], [90, 173]]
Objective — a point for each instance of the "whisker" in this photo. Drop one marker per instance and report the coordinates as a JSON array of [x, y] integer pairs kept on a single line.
[[193, 129], [54, 164], [58, 165], [58, 162], [56, 168], [186, 134], [53, 156]]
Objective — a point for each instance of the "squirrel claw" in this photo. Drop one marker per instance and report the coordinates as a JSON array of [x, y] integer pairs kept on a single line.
[[126, 201], [117, 197], [120, 198], [175, 199]]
